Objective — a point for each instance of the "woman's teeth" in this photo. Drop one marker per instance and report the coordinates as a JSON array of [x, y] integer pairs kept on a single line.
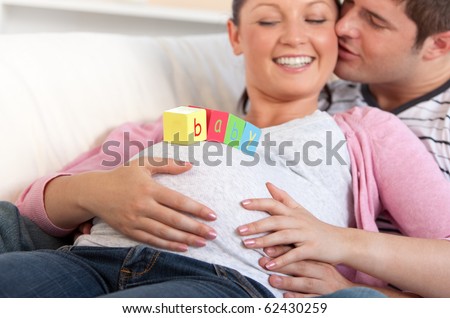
[[294, 62]]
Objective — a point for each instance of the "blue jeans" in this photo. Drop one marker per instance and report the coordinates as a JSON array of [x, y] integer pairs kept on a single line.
[[355, 292], [112, 272], [140, 271], [18, 233]]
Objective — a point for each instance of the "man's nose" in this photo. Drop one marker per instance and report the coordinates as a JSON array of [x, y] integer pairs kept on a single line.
[[347, 25]]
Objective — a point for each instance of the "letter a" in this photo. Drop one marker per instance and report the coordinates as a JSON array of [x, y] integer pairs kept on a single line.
[[218, 126]]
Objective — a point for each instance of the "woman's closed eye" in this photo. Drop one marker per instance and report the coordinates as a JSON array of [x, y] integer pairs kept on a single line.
[[316, 21], [268, 22]]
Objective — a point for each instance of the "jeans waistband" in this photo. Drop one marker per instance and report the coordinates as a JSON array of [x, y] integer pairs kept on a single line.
[[143, 259]]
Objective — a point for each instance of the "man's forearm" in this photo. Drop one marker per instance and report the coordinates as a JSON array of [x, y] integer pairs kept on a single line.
[[419, 266]]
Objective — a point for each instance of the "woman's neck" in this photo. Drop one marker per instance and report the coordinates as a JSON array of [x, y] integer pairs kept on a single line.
[[265, 113]]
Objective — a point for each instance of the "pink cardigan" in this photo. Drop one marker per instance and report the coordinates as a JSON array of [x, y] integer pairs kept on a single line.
[[391, 171], [31, 201]]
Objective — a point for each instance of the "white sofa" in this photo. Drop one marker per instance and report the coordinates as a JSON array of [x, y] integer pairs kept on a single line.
[[60, 94]]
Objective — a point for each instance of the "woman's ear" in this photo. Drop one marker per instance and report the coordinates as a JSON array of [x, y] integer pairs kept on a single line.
[[437, 45], [233, 35]]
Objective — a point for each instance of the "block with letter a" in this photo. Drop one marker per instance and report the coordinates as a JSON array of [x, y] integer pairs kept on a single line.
[[184, 125], [216, 122]]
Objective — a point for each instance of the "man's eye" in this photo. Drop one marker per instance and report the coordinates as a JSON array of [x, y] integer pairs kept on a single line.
[[375, 23]]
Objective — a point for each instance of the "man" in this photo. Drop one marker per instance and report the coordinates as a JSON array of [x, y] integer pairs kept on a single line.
[[400, 51]]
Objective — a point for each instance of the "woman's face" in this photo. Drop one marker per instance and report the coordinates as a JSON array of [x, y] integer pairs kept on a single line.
[[290, 46]]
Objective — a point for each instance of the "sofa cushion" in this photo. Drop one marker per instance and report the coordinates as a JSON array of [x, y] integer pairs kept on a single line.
[[60, 94]]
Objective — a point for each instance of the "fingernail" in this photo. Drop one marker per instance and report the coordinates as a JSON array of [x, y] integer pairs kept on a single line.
[[246, 202], [269, 250], [182, 163], [200, 242], [271, 265], [276, 281], [243, 229], [182, 248], [271, 184], [249, 243], [211, 235], [212, 216]]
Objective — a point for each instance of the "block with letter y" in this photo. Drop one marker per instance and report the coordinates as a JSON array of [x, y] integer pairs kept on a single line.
[[186, 125], [250, 138]]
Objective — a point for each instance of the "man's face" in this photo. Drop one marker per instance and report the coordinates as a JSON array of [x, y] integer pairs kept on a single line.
[[376, 42]]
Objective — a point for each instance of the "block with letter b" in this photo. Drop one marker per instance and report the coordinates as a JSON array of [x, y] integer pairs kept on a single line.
[[216, 122], [185, 125]]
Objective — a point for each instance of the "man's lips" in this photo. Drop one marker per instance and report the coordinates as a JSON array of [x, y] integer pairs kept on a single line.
[[346, 53]]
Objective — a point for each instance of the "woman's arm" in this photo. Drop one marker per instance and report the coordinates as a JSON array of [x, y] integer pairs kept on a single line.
[[391, 169], [99, 184], [419, 266], [129, 200]]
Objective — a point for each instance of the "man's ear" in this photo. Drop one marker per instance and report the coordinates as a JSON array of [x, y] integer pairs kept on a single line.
[[233, 35], [437, 45]]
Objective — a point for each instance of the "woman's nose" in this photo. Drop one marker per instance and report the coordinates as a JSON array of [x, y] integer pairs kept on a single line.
[[294, 35]]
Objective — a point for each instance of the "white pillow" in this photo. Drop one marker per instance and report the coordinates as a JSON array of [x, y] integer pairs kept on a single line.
[[61, 93]]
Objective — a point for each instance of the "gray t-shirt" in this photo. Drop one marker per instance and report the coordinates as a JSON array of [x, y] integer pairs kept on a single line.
[[306, 157]]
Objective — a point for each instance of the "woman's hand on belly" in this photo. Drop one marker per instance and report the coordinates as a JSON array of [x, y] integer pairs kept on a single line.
[[288, 224], [136, 205]]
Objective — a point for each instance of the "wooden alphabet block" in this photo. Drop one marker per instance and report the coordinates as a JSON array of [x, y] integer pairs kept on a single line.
[[250, 138], [187, 125], [184, 125], [217, 126], [216, 122], [235, 129]]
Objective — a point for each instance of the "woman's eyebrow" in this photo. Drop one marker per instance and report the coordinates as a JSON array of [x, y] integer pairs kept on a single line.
[[274, 5], [319, 2]]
